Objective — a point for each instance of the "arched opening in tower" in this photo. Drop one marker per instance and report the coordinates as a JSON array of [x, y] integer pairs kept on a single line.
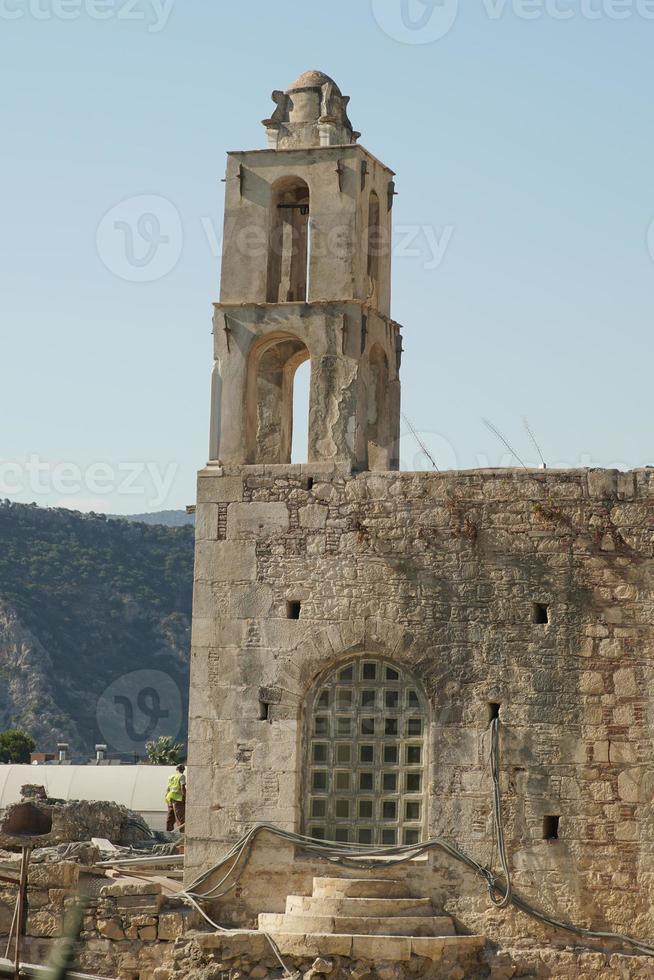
[[289, 246], [272, 401], [377, 419], [375, 246], [301, 391]]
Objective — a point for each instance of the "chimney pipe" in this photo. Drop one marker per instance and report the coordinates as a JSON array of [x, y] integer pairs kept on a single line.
[[62, 748], [100, 753]]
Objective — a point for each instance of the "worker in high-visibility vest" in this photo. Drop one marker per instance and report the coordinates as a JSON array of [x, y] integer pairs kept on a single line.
[[176, 799]]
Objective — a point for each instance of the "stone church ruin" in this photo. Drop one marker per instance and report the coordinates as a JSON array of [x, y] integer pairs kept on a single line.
[[421, 710]]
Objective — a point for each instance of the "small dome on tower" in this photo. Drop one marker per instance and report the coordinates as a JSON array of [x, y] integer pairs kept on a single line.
[[313, 79], [311, 112]]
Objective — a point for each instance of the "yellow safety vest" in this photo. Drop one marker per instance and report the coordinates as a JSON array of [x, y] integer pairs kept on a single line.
[[174, 791]]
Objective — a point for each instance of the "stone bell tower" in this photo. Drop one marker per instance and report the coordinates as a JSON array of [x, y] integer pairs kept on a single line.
[[306, 275]]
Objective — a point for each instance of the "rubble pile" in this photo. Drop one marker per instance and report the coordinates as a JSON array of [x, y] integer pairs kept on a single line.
[[131, 918], [75, 821]]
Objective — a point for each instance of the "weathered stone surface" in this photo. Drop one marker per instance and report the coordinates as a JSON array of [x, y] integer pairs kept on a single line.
[[62, 874], [226, 561], [172, 926], [127, 886], [413, 587], [45, 922], [111, 929], [313, 516], [75, 821], [256, 520]]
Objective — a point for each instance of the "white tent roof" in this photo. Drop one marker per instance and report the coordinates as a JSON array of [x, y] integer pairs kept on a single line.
[[141, 788]]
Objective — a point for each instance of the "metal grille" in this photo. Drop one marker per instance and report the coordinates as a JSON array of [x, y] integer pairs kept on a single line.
[[366, 747]]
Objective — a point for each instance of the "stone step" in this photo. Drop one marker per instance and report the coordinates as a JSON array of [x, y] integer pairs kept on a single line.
[[377, 948], [359, 888], [302, 904], [401, 925]]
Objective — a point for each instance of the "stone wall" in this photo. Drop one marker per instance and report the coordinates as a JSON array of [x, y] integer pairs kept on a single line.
[[440, 573], [250, 957], [129, 929]]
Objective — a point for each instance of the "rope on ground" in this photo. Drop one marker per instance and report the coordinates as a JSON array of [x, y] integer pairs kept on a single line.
[[358, 856]]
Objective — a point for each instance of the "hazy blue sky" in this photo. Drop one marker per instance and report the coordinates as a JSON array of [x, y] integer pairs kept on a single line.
[[522, 138]]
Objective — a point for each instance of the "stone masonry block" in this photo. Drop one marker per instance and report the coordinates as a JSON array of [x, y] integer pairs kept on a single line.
[[256, 520], [172, 925], [124, 887], [46, 923], [602, 483], [624, 683], [251, 601], [226, 561], [219, 489], [206, 522], [313, 517], [62, 874]]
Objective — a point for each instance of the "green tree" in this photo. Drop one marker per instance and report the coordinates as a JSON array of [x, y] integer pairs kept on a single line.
[[15, 746], [164, 752]]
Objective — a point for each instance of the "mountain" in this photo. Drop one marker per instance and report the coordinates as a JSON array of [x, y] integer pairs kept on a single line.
[[95, 622], [168, 518]]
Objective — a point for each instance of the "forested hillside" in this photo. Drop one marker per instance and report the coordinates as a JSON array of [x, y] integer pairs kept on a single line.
[[85, 601], [171, 518]]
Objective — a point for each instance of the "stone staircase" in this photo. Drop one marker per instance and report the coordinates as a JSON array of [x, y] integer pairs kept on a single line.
[[365, 917]]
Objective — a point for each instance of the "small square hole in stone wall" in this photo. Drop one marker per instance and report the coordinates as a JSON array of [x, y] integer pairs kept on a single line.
[[293, 608], [550, 828], [493, 710], [540, 613], [309, 483], [264, 711]]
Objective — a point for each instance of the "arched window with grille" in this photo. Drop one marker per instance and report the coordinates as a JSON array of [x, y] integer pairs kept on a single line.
[[366, 745]]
